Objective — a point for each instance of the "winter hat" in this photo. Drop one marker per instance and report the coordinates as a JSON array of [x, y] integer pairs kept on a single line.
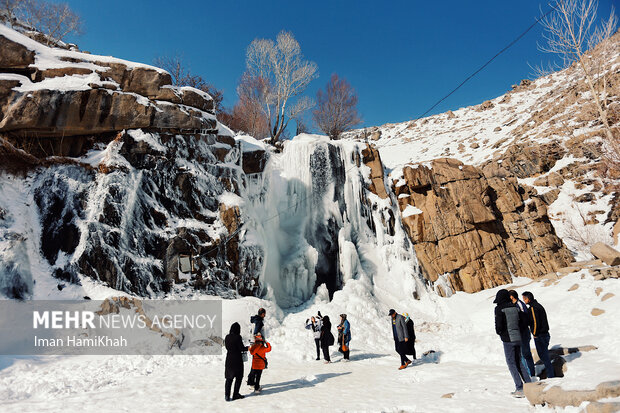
[[392, 311], [235, 328], [502, 296]]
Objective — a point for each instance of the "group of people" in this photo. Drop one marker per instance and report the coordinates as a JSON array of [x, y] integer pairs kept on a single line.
[[516, 322], [321, 327], [235, 356], [404, 337]]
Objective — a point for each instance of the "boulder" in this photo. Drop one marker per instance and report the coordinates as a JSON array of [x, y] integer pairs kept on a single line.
[[14, 55], [487, 104], [524, 160], [145, 81], [552, 179], [375, 136], [603, 407], [538, 393], [254, 162], [197, 99], [605, 253]]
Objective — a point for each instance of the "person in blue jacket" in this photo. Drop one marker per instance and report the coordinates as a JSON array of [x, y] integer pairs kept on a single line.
[[259, 322], [344, 336]]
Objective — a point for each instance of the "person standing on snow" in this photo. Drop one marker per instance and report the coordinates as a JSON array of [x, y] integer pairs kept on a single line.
[[537, 321], [344, 336], [401, 337], [314, 324], [327, 338], [259, 323], [258, 350], [526, 353], [508, 323], [411, 332], [234, 361]]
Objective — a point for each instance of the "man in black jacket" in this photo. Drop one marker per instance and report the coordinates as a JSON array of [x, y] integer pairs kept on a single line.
[[526, 353], [537, 320], [508, 323], [401, 337]]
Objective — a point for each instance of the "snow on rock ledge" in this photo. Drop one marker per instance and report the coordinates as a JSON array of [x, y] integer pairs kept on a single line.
[[59, 93]]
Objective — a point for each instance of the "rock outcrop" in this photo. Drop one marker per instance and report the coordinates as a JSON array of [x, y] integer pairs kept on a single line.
[[606, 254], [57, 93], [540, 393], [479, 230], [372, 159], [147, 192]]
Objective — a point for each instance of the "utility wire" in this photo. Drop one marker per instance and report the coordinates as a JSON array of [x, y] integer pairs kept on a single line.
[[552, 8], [512, 43]]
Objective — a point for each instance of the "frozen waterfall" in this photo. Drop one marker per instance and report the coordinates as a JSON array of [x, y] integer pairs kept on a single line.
[[318, 223]]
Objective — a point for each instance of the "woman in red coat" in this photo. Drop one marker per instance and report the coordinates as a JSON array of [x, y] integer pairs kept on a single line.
[[259, 361]]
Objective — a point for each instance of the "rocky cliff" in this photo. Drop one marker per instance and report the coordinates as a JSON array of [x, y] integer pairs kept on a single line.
[[479, 230], [110, 177], [515, 186], [115, 174]]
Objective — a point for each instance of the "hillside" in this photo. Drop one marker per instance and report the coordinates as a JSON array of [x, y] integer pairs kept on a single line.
[[114, 182], [542, 135]]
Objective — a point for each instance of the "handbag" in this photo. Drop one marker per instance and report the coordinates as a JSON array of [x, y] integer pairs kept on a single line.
[[264, 359]]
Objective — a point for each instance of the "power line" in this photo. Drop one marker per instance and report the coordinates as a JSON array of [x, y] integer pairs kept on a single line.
[[278, 213], [488, 62]]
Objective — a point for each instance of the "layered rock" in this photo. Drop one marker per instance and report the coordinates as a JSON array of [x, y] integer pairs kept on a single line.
[[48, 92], [479, 230], [149, 163]]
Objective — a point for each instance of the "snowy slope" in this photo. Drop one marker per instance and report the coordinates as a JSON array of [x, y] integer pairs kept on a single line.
[[468, 360], [554, 109]]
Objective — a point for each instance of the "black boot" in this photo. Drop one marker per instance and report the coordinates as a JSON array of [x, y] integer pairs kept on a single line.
[[237, 396]]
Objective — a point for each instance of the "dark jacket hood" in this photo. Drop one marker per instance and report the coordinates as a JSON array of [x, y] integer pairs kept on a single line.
[[235, 328], [502, 296], [255, 318]]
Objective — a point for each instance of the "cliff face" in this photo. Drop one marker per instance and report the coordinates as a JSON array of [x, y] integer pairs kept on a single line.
[[517, 185], [478, 230], [116, 174], [110, 177]]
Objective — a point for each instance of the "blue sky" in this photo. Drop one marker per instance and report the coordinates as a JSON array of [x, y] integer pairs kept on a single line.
[[400, 56]]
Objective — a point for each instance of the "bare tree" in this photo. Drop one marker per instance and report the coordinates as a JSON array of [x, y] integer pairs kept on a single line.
[[286, 74], [248, 114], [182, 76], [571, 33], [8, 11], [302, 126], [54, 20], [336, 110]]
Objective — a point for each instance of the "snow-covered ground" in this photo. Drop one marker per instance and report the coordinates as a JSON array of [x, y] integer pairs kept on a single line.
[[468, 359]]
